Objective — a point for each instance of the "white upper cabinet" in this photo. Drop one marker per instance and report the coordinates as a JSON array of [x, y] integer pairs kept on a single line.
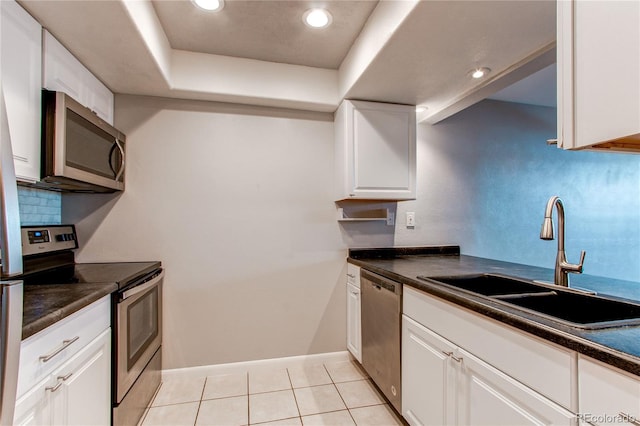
[[375, 151], [64, 73], [21, 77], [599, 75]]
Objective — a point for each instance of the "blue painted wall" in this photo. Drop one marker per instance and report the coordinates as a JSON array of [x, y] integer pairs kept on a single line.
[[485, 175]]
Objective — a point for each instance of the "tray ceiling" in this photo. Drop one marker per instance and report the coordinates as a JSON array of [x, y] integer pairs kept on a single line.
[[270, 31], [260, 53]]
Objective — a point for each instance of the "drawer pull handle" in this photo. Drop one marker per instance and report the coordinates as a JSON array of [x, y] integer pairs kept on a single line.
[[65, 344], [629, 419], [53, 388], [450, 355], [65, 378]]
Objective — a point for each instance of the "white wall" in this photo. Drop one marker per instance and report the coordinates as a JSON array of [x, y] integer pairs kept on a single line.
[[236, 202]]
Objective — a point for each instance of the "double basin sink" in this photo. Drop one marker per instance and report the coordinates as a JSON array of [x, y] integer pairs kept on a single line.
[[567, 306]]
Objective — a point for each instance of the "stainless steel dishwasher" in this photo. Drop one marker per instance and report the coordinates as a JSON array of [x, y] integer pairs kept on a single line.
[[381, 306]]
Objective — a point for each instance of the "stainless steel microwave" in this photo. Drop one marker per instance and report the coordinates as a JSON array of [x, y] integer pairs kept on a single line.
[[80, 151]]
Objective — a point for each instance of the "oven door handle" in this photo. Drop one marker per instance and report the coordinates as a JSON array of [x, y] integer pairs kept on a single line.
[[142, 287]]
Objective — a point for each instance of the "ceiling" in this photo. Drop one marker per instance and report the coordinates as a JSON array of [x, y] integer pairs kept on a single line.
[[537, 89], [260, 52], [265, 30]]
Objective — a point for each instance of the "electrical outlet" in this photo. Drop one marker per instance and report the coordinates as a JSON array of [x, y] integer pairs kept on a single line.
[[411, 219]]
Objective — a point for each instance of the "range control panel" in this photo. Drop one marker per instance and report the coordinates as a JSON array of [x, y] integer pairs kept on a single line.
[[48, 238]]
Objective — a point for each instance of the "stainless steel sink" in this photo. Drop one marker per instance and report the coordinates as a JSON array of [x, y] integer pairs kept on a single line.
[[564, 305]]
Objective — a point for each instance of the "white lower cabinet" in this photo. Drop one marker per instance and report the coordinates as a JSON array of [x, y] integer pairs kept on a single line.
[[65, 371], [490, 397], [77, 393], [428, 377], [608, 396], [354, 338], [443, 384], [446, 382], [34, 407], [354, 334], [85, 395]]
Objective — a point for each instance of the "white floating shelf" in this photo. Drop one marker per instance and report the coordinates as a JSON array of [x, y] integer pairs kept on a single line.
[[383, 215]]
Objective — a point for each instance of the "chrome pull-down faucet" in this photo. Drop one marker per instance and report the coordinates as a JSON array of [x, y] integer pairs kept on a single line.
[[546, 233]]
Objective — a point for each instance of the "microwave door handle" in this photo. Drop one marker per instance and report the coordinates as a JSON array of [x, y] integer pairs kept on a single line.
[[121, 170], [111, 151]]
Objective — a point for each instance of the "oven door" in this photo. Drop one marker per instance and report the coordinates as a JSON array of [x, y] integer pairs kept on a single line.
[[139, 331]]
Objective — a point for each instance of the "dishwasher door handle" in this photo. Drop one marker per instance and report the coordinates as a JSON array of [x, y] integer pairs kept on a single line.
[[383, 286]]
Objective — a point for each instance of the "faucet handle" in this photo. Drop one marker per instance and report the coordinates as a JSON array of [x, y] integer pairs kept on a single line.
[[582, 255], [575, 268]]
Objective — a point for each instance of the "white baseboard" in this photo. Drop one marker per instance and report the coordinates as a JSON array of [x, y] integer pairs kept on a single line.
[[248, 366]]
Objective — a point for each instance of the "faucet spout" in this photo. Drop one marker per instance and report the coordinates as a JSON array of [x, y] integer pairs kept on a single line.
[[562, 268]]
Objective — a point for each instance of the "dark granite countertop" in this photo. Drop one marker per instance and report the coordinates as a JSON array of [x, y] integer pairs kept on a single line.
[[46, 303], [619, 346]]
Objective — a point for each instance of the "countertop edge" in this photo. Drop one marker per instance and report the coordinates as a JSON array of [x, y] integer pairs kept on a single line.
[[605, 354], [51, 318]]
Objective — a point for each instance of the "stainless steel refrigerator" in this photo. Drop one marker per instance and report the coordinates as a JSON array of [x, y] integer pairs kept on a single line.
[[11, 289]]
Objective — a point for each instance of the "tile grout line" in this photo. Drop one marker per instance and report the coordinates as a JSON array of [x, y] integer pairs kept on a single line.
[[246, 379], [294, 395], [339, 394], [146, 411], [204, 386]]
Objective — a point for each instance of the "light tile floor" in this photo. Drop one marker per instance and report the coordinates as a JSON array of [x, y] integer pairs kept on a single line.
[[334, 394]]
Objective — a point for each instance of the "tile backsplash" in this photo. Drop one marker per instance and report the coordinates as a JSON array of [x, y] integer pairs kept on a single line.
[[39, 207]]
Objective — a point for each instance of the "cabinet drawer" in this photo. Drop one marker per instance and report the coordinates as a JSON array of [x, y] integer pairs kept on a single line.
[[607, 395], [544, 367], [85, 325], [353, 275]]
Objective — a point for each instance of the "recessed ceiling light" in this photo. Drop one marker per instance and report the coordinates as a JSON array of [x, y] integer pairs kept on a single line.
[[479, 72], [317, 18], [210, 5], [420, 109]]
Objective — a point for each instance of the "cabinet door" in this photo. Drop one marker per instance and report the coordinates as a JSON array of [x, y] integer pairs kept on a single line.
[[375, 151], [64, 73], [489, 397], [607, 396], [21, 76], [428, 376], [61, 69], [354, 337], [100, 98], [34, 408], [85, 395], [598, 69]]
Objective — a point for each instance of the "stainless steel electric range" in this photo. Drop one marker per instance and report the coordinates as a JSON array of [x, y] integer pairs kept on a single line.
[[136, 317]]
